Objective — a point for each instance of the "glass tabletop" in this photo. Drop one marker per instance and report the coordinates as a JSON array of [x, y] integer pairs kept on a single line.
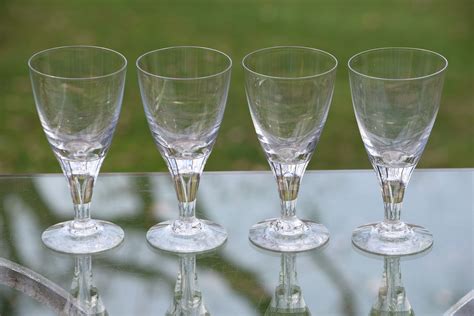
[[238, 278]]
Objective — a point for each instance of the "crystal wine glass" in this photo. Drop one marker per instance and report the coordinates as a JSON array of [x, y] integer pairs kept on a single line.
[[184, 91], [289, 91], [78, 94], [396, 94]]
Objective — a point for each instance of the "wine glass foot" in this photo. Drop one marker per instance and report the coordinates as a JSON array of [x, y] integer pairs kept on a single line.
[[371, 238], [201, 237], [99, 236], [269, 235]]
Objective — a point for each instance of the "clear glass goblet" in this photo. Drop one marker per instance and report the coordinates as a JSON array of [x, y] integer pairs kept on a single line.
[[184, 92], [289, 91], [78, 94], [396, 94]]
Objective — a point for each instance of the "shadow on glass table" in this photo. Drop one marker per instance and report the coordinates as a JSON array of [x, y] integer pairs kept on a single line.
[[237, 279]]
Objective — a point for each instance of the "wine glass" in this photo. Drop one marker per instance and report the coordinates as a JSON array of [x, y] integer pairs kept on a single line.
[[289, 91], [184, 91], [396, 94], [78, 94]]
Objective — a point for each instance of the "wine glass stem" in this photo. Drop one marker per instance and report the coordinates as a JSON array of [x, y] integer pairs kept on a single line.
[[187, 210], [288, 208], [392, 193], [82, 212], [392, 212], [81, 187], [288, 177], [186, 185], [288, 188]]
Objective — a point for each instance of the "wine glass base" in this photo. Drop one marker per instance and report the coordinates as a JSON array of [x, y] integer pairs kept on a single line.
[[267, 235], [100, 236], [203, 236], [369, 238]]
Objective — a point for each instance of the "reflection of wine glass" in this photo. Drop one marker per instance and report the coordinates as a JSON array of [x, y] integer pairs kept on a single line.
[[289, 90], [187, 298], [78, 93], [392, 298], [83, 291], [396, 94], [288, 297], [184, 91]]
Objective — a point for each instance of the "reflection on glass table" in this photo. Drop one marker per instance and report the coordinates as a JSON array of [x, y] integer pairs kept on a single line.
[[237, 279], [83, 288], [187, 298], [392, 297], [288, 296]]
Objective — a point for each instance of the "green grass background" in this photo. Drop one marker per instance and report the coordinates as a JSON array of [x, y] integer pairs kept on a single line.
[[235, 27]]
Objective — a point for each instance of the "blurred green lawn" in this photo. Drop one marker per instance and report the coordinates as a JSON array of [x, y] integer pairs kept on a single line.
[[235, 27]]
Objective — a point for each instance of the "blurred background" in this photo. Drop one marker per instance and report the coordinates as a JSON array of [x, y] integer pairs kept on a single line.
[[235, 27]]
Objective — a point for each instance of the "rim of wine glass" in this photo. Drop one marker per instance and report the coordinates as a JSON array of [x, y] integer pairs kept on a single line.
[[399, 48], [122, 68], [290, 78], [184, 78]]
